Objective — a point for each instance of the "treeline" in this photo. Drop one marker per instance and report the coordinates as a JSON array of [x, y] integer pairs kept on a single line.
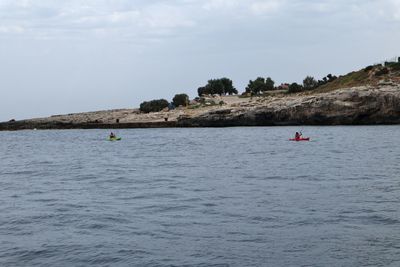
[[224, 86], [310, 83], [261, 85], [160, 104]]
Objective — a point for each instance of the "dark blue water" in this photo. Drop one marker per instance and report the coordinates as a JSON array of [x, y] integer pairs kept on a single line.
[[201, 197]]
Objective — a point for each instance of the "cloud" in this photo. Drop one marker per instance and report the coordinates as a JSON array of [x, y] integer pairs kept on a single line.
[[249, 7], [57, 18], [395, 9], [221, 4], [54, 18], [12, 29], [113, 19], [265, 7], [165, 16]]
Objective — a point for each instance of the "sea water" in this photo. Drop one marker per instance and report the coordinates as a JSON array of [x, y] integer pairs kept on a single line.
[[201, 197]]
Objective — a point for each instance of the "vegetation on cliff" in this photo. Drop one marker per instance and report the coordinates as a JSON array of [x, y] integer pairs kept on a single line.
[[154, 105], [373, 75], [180, 100], [260, 85], [221, 86]]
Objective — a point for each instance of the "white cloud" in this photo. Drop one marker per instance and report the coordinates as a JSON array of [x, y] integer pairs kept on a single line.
[[53, 18], [165, 16], [221, 4], [114, 19], [265, 7], [396, 9], [11, 29], [251, 7]]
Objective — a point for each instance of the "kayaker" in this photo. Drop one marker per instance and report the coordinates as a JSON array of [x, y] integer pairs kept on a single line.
[[297, 135], [112, 135]]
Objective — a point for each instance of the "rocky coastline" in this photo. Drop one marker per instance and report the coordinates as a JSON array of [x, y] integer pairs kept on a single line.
[[364, 105], [352, 106]]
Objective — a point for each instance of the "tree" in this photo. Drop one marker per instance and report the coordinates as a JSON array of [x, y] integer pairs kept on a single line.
[[295, 88], [228, 86], [202, 91], [218, 86], [260, 85], [269, 84], [331, 77], [256, 86], [180, 100], [153, 105], [309, 83]]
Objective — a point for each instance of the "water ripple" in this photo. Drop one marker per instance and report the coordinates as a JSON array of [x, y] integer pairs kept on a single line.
[[200, 197]]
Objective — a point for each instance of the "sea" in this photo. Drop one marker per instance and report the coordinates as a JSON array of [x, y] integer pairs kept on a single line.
[[201, 197]]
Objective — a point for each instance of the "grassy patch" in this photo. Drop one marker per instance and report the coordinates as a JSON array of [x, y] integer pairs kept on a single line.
[[353, 79], [195, 106], [395, 66]]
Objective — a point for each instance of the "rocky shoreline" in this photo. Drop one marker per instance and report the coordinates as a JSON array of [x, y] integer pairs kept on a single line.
[[366, 105], [352, 106]]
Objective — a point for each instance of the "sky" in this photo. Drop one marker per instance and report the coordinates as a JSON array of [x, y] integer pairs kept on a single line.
[[60, 57]]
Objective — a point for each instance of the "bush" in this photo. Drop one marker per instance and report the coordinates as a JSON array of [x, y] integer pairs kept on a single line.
[[310, 83], [153, 105], [369, 68], [295, 88], [395, 66], [331, 77], [180, 100], [382, 71]]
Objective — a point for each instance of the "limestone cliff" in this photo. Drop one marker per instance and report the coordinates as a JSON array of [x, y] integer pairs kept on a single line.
[[365, 105], [351, 106]]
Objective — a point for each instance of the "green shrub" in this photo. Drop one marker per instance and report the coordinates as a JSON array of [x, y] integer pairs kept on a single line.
[[382, 71], [153, 105], [369, 68], [194, 106], [295, 88], [180, 100], [310, 83], [395, 66]]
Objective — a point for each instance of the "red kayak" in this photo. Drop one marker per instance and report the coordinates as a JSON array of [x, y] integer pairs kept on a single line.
[[300, 139]]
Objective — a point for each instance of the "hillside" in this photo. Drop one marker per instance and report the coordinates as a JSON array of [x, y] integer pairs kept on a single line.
[[370, 76]]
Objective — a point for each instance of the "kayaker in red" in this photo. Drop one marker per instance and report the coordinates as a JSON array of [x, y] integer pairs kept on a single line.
[[299, 137]]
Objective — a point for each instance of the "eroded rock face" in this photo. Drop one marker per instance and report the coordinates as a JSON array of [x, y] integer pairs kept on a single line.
[[354, 106]]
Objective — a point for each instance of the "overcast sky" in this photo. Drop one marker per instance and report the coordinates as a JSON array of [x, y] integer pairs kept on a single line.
[[60, 56]]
